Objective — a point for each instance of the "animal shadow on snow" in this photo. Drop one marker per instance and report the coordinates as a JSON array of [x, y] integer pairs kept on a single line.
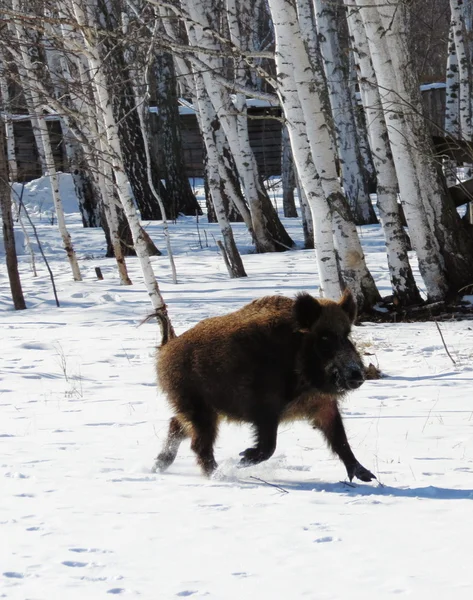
[[427, 492]]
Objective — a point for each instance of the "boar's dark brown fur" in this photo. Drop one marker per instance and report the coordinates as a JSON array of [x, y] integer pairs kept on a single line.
[[276, 359]]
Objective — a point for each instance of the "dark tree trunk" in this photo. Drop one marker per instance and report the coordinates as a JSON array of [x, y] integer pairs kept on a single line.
[[211, 216], [88, 196], [275, 228], [232, 212], [124, 107], [134, 156], [126, 239], [180, 197], [8, 232], [458, 249], [231, 178], [288, 176]]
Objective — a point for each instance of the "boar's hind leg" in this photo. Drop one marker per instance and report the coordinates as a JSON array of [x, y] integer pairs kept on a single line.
[[204, 431], [176, 434], [266, 435], [329, 421]]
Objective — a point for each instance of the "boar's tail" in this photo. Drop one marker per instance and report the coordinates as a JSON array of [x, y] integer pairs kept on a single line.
[[166, 327]]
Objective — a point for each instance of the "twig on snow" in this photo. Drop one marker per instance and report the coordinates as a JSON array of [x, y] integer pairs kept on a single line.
[[281, 489], [444, 344]]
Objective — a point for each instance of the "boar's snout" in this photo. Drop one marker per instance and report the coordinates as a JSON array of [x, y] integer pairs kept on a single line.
[[347, 377], [355, 378]]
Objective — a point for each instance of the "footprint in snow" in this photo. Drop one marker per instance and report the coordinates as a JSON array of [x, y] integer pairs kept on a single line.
[[219, 507], [81, 550], [74, 563], [13, 575]]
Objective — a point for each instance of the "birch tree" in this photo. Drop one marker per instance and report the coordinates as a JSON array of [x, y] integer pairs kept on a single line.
[[8, 231], [431, 215], [92, 53], [354, 180], [452, 120], [463, 61], [90, 136], [402, 279], [58, 69], [308, 128], [214, 144], [29, 77], [7, 118], [268, 231]]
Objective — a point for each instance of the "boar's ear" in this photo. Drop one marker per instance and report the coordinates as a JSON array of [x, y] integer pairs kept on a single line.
[[348, 304], [306, 311]]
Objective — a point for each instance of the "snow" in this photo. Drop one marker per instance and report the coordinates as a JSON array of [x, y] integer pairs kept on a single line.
[[81, 513], [432, 86]]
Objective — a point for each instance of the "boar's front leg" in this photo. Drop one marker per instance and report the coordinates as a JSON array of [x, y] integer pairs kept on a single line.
[[329, 420], [266, 435]]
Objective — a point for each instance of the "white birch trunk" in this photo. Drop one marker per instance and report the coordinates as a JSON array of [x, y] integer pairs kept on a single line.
[[402, 279], [452, 121], [212, 136], [206, 116], [113, 141], [457, 8], [307, 25], [310, 181], [30, 87], [295, 79], [343, 113], [392, 92]]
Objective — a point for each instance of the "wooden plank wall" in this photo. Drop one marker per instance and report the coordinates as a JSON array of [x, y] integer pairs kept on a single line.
[[26, 153], [433, 99], [264, 129], [264, 125]]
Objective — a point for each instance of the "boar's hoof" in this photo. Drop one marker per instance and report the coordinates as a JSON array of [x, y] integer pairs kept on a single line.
[[163, 461], [360, 472], [253, 456]]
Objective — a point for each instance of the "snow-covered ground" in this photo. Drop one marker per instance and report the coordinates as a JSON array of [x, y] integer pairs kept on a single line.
[[81, 514]]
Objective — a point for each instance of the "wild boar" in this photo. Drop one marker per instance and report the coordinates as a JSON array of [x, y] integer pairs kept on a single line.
[[276, 359]]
